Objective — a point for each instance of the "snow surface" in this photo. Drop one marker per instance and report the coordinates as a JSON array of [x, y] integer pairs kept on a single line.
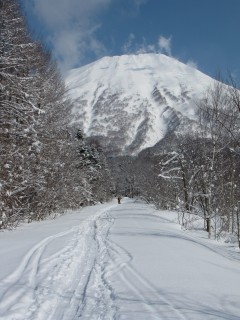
[[110, 261], [121, 87]]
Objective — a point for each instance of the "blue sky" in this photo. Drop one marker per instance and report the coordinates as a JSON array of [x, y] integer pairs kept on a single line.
[[204, 33]]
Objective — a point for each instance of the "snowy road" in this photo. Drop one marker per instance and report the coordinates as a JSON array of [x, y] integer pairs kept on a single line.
[[115, 262]]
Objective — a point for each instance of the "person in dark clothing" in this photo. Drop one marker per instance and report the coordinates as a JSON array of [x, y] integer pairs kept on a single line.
[[119, 200]]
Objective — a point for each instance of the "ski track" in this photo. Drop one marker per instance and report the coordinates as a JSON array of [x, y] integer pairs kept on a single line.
[[156, 306], [57, 287], [75, 282]]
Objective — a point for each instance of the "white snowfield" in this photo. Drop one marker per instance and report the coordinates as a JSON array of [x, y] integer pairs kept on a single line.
[[135, 97], [116, 262]]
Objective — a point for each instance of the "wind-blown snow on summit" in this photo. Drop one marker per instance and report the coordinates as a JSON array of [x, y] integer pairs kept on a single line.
[[130, 102]]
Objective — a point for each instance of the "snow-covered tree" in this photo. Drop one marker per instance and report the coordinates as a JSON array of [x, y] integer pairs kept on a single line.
[[42, 169]]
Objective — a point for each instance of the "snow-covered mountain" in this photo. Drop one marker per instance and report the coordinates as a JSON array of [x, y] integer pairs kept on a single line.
[[130, 102]]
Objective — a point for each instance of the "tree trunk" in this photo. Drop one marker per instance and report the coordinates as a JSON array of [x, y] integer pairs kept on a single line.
[[208, 220]]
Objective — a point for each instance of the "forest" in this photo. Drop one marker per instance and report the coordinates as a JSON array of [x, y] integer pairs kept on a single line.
[[48, 167], [196, 172]]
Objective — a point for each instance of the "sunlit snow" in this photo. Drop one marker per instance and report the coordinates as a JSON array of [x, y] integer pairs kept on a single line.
[[128, 95], [111, 261]]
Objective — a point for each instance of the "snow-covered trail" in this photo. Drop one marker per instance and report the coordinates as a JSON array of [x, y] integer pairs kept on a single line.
[[115, 262]]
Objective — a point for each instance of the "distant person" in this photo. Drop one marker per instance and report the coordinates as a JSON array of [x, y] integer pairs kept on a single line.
[[119, 200]]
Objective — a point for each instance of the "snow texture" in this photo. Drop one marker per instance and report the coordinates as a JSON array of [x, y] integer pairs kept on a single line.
[[134, 100], [110, 261]]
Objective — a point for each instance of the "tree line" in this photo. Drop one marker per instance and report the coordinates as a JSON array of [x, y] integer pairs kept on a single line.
[[196, 172], [45, 166]]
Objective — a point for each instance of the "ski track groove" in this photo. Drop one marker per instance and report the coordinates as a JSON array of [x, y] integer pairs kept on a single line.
[[130, 276], [75, 282], [102, 307], [29, 262], [34, 281]]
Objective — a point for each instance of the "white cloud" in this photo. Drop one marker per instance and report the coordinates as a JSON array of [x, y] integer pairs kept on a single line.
[[61, 13], [132, 47], [165, 45], [128, 46], [146, 48], [71, 25], [192, 64], [162, 46]]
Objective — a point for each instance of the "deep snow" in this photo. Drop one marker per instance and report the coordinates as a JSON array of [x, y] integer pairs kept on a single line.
[[112, 261], [134, 96]]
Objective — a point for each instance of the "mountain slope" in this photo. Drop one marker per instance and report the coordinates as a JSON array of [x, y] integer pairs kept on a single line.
[[130, 102]]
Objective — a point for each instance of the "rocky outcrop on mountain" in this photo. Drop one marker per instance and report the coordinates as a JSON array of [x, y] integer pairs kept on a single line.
[[131, 102]]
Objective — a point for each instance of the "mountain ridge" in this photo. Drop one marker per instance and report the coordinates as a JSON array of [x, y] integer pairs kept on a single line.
[[131, 102]]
